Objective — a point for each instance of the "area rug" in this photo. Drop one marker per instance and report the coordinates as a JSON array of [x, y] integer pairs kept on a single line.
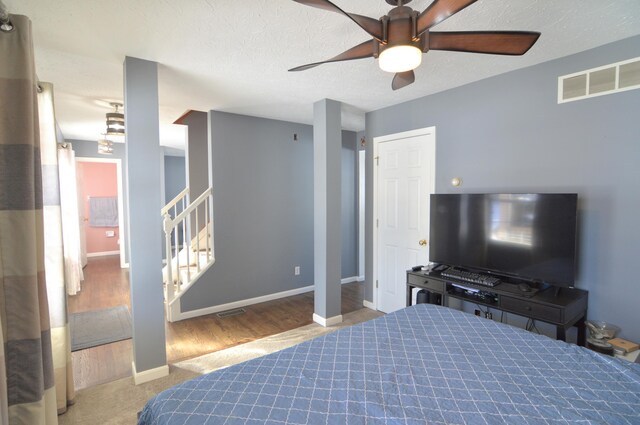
[[93, 328]]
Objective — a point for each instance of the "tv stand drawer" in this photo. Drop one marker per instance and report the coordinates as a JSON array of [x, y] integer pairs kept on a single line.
[[425, 282], [529, 309]]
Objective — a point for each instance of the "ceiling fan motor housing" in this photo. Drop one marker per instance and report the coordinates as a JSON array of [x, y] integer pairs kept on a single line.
[[400, 28]]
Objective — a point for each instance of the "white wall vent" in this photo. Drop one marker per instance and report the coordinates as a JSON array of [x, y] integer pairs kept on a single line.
[[607, 79]]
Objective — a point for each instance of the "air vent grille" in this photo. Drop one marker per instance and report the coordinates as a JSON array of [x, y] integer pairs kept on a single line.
[[234, 312], [630, 74], [606, 79]]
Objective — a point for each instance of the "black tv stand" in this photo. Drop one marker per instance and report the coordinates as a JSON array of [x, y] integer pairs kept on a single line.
[[563, 309]]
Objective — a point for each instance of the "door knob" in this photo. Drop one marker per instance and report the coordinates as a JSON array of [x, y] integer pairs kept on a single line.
[[423, 242]]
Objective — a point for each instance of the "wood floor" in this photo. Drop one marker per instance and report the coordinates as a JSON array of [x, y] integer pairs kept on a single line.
[[107, 285], [206, 334]]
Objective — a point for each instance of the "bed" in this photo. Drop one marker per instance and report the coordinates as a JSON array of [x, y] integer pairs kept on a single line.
[[422, 364]]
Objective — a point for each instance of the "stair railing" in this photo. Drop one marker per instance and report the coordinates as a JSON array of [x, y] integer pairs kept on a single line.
[[184, 218]]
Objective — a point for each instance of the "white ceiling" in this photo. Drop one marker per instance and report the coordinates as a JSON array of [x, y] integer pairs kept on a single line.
[[234, 55]]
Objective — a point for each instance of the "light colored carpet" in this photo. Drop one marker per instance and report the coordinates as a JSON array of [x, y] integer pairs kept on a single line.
[[119, 402], [99, 327]]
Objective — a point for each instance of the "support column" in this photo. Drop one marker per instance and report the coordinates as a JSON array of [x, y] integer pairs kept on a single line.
[[327, 180], [145, 242]]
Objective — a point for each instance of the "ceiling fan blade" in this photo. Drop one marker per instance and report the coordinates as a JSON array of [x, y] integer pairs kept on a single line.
[[402, 79], [370, 25], [361, 51], [492, 42], [440, 10]]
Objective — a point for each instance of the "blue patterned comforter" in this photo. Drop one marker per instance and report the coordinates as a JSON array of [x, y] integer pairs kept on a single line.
[[422, 364]]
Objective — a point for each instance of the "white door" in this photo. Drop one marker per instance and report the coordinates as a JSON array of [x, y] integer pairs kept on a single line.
[[405, 168]]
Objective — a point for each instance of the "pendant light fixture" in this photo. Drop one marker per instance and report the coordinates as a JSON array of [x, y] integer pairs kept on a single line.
[[115, 121], [105, 146]]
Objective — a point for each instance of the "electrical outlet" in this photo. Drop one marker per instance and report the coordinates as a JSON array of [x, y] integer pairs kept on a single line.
[[110, 233], [296, 271]]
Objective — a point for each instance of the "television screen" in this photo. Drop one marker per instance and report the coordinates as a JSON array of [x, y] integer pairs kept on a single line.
[[529, 236]]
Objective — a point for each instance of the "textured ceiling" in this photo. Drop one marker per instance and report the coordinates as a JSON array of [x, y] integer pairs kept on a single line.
[[233, 56]]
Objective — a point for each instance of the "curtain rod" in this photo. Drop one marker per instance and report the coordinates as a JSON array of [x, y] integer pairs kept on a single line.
[[4, 21]]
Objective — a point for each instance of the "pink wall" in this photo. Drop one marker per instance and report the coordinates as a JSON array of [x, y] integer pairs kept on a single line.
[[98, 179]]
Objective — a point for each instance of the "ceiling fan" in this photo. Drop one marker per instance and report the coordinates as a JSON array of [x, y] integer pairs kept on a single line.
[[403, 35]]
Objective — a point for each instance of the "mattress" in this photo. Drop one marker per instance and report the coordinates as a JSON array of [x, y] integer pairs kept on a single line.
[[422, 364]]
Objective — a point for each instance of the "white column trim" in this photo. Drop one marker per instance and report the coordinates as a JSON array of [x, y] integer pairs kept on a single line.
[[148, 375], [331, 321], [369, 304]]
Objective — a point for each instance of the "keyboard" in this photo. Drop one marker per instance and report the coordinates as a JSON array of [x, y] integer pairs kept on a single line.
[[471, 277]]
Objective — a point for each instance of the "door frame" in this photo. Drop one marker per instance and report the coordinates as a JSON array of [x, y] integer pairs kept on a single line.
[[122, 241], [362, 206], [426, 131]]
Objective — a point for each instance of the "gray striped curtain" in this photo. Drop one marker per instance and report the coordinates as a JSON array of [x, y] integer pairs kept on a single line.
[[24, 311], [4, 403], [54, 263]]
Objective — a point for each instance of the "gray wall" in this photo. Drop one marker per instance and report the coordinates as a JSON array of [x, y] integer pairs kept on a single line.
[[174, 176], [507, 133], [89, 149], [263, 210], [197, 157], [197, 152]]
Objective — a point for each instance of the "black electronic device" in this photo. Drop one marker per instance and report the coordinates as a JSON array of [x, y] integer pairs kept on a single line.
[[416, 268], [476, 278], [472, 293], [526, 237], [440, 267]]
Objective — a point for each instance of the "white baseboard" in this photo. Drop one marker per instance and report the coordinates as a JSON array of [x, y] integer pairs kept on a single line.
[[327, 322], [242, 303], [148, 375], [102, 254], [369, 304], [349, 279]]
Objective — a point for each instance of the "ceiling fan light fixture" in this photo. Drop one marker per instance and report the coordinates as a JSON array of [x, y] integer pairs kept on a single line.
[[400, 58], [115, 121]]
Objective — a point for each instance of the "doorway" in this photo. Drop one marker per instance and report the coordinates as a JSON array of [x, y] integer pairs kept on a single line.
[[404, 177], [100, 178]]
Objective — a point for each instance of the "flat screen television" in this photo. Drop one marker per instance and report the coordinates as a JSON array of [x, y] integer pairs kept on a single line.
[[527, 236]]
